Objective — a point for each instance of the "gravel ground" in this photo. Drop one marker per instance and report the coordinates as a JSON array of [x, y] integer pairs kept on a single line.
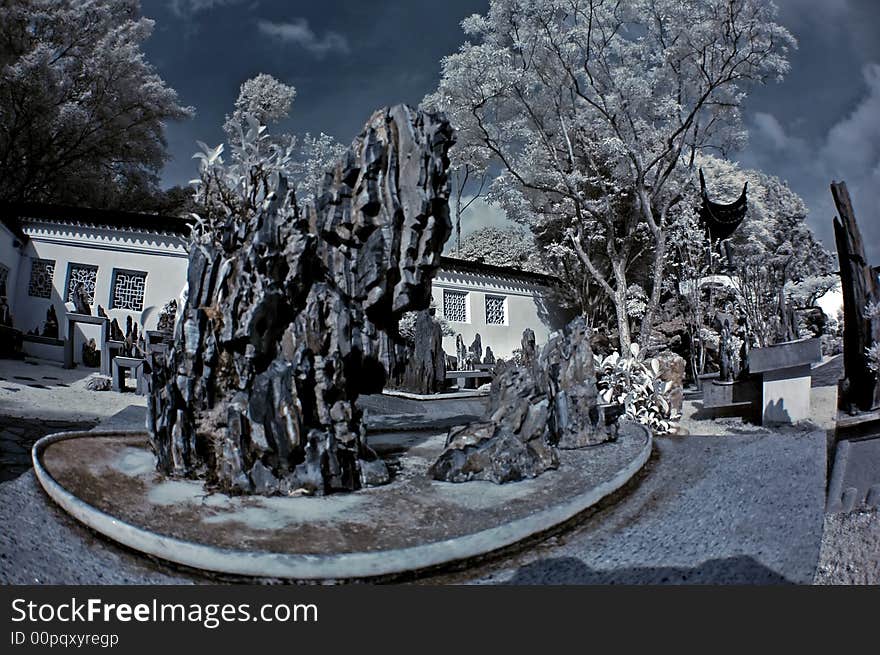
[[41, 544], [850, 549], [740, 509]]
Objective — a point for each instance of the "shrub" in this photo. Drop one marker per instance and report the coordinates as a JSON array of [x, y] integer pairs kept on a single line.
[[636, 384]]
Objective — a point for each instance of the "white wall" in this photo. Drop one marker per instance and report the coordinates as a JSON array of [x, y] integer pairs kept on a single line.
[[162, 257], [10, 257], [524, 310]]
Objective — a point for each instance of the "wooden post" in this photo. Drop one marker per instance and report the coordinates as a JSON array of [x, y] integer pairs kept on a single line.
[[860, 388]]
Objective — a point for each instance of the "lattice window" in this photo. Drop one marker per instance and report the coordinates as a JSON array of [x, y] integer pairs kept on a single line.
[[455, 306], [84, 273], [4, 275], [495, 310], [128, 290], [42, 271]]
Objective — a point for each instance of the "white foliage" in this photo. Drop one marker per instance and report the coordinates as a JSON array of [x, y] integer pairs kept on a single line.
[[593, 110]]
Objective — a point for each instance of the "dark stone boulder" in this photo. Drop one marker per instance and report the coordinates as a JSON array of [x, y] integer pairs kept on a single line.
[[550, 403], [424, 369], [289, 316]]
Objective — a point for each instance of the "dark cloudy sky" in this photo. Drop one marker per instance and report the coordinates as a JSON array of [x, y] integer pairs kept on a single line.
[[349, 57]]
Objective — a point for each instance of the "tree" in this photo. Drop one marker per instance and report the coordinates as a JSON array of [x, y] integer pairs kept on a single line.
[[777, 260], [595, 110], [81, 110], [510, 247], [256, 158]]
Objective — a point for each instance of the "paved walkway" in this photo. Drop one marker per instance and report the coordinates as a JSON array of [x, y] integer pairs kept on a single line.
[[736, 509]]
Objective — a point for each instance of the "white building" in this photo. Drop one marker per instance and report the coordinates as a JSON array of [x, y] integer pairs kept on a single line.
[[132, 264], [495, 302]]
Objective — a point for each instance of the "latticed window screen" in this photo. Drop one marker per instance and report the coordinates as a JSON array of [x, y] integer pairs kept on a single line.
[[495, 310], [4, 275], [455, 306], [42, 271], [84, 273], [128, 290]]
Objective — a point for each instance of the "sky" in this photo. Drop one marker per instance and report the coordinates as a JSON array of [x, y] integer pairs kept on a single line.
[[347, 58]]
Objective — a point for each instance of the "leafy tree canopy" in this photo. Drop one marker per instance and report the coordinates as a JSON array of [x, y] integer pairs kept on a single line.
[[81, 110]]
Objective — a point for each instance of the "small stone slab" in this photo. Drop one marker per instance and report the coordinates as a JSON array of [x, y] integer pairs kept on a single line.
[[785, 355]]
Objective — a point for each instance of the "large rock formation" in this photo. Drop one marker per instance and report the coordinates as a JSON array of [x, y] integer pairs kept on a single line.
[[550, 402], [289, 318], [424, 371]]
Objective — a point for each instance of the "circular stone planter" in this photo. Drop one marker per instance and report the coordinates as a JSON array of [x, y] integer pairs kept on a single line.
[[106, 481]]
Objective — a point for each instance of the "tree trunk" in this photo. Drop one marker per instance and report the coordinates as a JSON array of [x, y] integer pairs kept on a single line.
[[656, 289], [860, 387], [624, 336]]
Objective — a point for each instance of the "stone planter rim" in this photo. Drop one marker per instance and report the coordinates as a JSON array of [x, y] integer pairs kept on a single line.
[[340, 566]]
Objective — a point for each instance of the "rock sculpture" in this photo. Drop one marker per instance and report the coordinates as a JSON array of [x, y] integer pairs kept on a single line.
[[528, 347], [424, 371], [549, 403], [461, 354], [860, 387], [116, 333], [489, 357], [81, 299], [50, 327], [475, 352], [167, 317], [289, 317], [91, 354]]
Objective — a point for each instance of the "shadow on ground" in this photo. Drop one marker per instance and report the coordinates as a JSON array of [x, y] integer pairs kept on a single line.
[[571, 571]]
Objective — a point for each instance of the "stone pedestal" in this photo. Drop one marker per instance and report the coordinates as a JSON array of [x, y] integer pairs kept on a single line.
[[786, 378], [123, 364], [74, 318]]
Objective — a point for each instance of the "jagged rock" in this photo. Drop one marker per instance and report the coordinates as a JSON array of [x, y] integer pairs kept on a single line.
[[99, 383], [528, 346], [81, 299], [567, 366], [166, 318], [533, 409], [475, 351], [91, 356], [289, 317], [50, 327], [672, 369], [424, 369], [461, 353], [116, 333]]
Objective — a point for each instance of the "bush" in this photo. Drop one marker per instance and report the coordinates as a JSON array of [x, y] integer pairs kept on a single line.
[[636, 384]]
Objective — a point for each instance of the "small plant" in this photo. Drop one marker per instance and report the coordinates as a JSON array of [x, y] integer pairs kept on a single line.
[[873, 355], [636, 384]]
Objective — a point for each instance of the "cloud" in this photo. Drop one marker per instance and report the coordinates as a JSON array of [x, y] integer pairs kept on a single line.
[[188, 8], [299, 33], [848, 151]]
